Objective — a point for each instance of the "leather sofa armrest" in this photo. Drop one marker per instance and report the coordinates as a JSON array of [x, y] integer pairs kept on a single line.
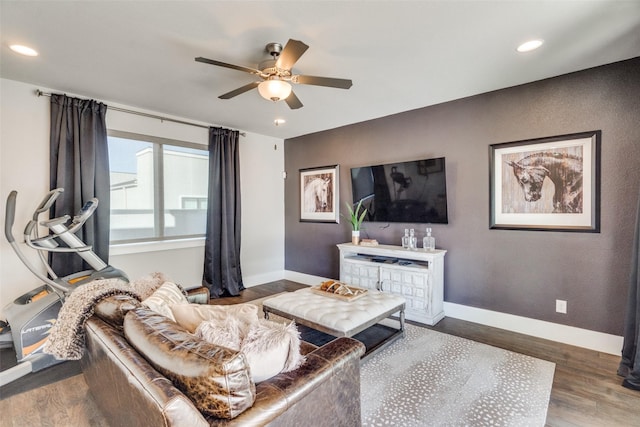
[[330, 378], [341, 350], [307, 347], [325, 361]]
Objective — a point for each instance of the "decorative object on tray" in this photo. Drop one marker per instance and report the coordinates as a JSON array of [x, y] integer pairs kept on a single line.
[[339, 290], [355, 218]]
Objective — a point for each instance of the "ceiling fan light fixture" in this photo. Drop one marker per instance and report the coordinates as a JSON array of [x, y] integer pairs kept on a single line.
[[276, 74], [274, 89]]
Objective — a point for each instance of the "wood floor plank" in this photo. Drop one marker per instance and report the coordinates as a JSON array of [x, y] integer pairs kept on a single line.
[[7, 413]]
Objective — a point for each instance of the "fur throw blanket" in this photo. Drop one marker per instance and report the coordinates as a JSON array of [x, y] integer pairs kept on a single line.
[[66, 337]]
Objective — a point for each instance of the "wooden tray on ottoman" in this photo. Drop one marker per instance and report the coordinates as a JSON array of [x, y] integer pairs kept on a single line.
[[359, 292]]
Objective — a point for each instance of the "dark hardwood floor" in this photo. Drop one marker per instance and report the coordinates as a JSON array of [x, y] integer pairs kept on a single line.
[[586, 390]]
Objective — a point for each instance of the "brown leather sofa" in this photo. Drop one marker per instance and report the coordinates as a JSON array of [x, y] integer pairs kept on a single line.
[[324, 391]]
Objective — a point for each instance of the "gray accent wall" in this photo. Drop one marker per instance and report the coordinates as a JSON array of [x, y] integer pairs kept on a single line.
[[509, 271]]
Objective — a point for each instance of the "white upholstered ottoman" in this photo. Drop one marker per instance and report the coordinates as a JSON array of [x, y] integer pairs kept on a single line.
[[336, 317]]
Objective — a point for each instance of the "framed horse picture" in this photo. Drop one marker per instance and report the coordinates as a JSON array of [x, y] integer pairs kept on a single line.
[[546, 184], [319, 194]]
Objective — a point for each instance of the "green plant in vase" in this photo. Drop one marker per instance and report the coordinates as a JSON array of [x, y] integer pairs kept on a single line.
[[355, 218]]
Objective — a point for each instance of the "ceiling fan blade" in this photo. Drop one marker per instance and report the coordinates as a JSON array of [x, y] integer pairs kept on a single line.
[[224, 64], [293, 102], [292, 51], [323, 81], [239, 91]]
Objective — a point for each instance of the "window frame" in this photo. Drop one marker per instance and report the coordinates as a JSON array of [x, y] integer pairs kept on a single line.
[[158, 187]]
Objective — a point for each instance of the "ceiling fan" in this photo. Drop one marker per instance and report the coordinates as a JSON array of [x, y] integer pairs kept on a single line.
[[276, 74]]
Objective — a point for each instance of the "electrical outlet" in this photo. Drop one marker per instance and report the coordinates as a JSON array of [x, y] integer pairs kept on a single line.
[[561, 306]]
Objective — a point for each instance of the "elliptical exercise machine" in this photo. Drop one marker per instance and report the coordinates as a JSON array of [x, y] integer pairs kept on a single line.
[[31, 315]]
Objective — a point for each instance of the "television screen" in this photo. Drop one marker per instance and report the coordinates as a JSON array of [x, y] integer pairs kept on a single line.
[[411, 192]]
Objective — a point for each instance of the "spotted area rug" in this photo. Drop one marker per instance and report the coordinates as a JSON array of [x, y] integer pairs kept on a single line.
[[433, 379]]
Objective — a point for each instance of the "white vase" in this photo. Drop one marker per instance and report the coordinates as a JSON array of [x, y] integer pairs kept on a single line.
[[355, 237]]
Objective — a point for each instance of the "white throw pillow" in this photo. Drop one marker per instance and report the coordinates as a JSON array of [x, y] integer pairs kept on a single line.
[[270, 347], [165, 296], [227, 332]]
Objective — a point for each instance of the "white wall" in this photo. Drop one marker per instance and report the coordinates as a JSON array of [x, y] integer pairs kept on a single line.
[[24, 166]]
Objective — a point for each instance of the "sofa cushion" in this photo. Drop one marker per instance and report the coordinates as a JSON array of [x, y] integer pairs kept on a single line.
[[215, 378], [270, 347], [191, 315], [165, 296]]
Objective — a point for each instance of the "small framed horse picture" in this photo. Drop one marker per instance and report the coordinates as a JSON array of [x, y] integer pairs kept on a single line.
[[319, 194], [546, 184]]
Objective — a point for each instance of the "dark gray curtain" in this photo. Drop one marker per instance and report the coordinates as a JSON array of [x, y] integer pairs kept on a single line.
[[630, 364], [79, 163], [222, 274]]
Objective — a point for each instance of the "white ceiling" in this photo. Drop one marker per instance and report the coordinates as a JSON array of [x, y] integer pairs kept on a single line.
[[401, 55]]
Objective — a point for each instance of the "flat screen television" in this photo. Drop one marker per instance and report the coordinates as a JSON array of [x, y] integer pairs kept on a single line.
[[410, 192]]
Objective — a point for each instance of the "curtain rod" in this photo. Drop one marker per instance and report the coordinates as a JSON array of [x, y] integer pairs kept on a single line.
[[138, 113]]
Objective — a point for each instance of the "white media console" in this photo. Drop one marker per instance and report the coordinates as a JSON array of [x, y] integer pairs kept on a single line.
[[417, 275]]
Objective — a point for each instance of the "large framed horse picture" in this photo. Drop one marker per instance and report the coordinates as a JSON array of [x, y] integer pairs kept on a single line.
[[546, 184], [319, 194]]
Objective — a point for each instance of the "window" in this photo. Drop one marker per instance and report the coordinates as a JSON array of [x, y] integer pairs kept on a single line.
[[158, 188], [194, 202]]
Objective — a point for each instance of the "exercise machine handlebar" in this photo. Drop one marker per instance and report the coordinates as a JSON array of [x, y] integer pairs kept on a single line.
[[47, 201], [8, 225], [10, 214]]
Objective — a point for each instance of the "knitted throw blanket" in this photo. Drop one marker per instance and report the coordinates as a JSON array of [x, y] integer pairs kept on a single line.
[[66, 337]]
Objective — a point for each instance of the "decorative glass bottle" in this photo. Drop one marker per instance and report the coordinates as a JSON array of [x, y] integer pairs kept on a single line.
[[429, 242], [405, 239], [413, 240]]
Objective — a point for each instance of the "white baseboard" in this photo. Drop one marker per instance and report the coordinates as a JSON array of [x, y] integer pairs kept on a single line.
[[305, 279], [570, 335], [592, 340], [259, 279]]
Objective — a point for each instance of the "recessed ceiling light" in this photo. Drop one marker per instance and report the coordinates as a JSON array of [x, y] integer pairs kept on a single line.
[[23, 50], [530, 45], [279, 122]]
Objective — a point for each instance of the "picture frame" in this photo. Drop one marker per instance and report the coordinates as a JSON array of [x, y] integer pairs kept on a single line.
[[546, 184], [319, 198]]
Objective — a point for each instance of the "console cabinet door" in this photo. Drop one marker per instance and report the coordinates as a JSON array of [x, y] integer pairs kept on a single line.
[[411, 283], [359, 273]]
